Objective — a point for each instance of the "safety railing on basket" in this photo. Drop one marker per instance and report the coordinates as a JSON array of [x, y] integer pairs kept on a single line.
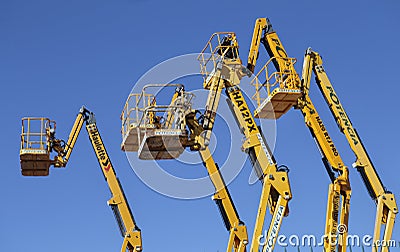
[[132, 111], [141, 111], [221, 46], [35, 133], [266, 80]]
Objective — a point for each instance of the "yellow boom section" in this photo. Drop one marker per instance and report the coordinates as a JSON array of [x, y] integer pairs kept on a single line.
[[386, 202], [43, 142], [222, 69], [286, 90], [118, 202]]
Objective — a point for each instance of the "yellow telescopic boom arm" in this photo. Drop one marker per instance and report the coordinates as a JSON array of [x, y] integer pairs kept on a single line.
[[261, 27], [276, 192], [238, 238], [339, 190], [118, 202], [386, 203], [226, 73]]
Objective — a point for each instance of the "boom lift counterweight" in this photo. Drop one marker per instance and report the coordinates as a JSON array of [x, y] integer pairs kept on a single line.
[[36, 147]]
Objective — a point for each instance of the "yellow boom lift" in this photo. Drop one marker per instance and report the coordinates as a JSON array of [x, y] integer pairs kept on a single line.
[[222, 68], [38, 142], [163, 132], [285, 90]]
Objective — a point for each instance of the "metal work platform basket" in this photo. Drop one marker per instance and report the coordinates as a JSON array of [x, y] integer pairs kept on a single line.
[[276, 91], [35, 150], [220, 59], [155, 131]]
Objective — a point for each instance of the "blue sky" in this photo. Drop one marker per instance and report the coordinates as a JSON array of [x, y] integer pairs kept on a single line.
[[59, 55]]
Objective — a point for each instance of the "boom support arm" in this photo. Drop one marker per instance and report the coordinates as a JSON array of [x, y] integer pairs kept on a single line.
[[339, 191], [118, 202], [226, 74], [261, 27], [238, 238], [276, 191], [386, 203]]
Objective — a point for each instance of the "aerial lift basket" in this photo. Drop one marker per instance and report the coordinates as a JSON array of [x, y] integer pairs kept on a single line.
[[220, 58], [131, 131], [35, 150], [276, 91], [155, 131]]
